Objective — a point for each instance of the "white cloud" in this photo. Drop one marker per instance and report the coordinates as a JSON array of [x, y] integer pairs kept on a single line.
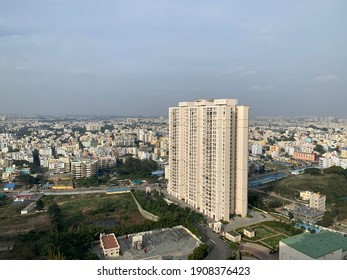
[[325, 78], [262, 88]]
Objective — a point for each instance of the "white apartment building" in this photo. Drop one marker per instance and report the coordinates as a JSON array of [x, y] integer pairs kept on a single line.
[[57, 166], [257, 149], [316, 200], [83, 168], [208, 156]]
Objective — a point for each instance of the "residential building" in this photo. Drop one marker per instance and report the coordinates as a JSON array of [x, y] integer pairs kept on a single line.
[[324, 245], [57, 166], [208, 156], [315, 200], [304, 156], [344, 152], [83, 168], [257, 149]]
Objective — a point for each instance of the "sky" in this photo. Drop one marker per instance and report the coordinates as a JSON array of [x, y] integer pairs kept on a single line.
[[136, 57]]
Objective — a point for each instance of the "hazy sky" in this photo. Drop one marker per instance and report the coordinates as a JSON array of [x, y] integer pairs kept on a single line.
[[131, 57]]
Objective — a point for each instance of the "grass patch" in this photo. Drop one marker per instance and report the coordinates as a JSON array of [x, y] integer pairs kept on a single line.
[[273, 241]]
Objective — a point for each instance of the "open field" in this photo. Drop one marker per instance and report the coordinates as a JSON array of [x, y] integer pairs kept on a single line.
[[263, 232], [91, 208], [12, 222], [274, 240], [85, 210], [81, 219], [276, 166]]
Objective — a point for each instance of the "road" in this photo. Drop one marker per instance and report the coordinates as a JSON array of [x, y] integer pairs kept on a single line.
[[218, 249], [258, 250], [272, 194]]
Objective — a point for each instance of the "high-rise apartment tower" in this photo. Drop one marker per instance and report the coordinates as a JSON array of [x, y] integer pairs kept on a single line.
[[208, 156]]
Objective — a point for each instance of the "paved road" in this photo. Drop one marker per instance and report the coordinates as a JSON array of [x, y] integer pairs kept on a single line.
[[218, 249], [272, 194], [258, 250]]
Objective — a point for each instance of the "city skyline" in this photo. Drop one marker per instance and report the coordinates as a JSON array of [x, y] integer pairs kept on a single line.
[[135, 58]]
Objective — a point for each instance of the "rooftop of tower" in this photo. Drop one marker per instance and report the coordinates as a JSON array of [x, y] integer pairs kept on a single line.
[[209, 102]]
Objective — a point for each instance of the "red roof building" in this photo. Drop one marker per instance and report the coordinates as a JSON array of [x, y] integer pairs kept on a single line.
[[109, 245]]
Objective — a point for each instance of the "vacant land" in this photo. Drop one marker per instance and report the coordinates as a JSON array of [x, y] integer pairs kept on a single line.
[[80, 220], [85, 210], [333, 186], [92, 208]]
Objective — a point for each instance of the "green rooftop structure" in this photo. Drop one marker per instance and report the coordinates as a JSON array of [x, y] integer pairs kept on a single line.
[[326, 245], [137, 182]]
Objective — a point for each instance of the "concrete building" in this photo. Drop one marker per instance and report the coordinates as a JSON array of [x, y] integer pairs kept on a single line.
[[57, 166], [9, 187], [257, 149], [249, 232], [109, 245], [305, 195], [208, 156], [325, 245], [83, 168], [316, 200], [233, 236], [344, 152], [311, 157]]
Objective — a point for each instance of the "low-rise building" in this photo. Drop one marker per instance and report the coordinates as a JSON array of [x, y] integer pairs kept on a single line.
[[249, 232], [9, 187], [304, 156], [325, 245], [316, 200], [109, 245], [233, 236]]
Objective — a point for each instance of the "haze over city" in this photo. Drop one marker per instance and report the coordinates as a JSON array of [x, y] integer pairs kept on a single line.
[[141, 57]]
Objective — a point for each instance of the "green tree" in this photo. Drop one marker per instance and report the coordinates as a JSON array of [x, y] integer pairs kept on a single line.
[[40, 204], [199, 253], [313, 171], [36, 167], [26, 179], [55, 215], [333, 169], [319, 149]]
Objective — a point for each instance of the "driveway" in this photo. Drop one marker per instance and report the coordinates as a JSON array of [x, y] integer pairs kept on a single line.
[[261, 252]]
